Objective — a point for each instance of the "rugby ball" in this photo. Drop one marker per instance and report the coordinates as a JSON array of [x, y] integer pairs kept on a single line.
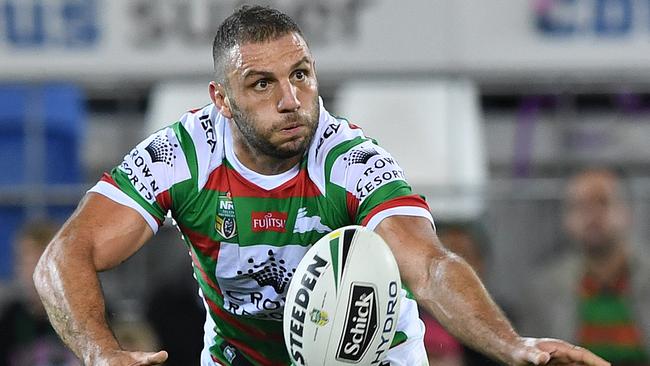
[[343, 301]]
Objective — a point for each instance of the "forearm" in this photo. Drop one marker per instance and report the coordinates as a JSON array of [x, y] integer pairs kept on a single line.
[[448, 288], [68, 285], [457, 298]]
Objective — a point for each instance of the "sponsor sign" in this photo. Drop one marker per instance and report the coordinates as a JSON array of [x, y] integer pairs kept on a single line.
[[160, 150], [268, 221], [390, 321], [148, 164], [330, 130], [254, 279], [299, 309], [208, 130], [373, 167], [360, 323], [147, 39]]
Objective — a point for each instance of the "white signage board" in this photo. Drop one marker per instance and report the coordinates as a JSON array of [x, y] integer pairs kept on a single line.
[[154, 39]]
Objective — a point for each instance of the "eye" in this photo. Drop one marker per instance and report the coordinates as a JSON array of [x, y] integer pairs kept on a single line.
[[300, 75], [261, 84]]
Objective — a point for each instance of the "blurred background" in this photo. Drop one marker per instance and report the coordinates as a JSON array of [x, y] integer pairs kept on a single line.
[[489, 106]]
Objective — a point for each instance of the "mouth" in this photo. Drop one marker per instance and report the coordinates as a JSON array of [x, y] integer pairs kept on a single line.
[[292, 128]]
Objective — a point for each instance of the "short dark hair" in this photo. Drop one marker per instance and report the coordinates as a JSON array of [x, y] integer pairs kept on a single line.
[[249, 24]]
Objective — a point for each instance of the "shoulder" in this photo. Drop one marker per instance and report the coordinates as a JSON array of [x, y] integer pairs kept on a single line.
[[343, 155], [333, 133], [185, 150], [203, 127], [199, 134], [333, 138]]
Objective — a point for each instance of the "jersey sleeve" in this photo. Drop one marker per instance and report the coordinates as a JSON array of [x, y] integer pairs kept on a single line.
[[144, 178], [375, 185]]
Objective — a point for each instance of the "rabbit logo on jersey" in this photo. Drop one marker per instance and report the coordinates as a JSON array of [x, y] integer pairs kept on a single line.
[[254, 279]]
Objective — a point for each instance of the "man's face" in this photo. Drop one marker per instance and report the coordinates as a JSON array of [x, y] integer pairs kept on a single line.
[[596, 216], [272, 95]]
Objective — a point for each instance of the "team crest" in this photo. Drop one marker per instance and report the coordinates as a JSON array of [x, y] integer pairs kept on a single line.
[[224, 222]]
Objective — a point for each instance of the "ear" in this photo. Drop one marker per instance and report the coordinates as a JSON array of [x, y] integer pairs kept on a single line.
[[220, 99]]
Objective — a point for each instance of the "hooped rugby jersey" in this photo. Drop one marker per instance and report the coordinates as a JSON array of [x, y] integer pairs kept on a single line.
[[246, 232]]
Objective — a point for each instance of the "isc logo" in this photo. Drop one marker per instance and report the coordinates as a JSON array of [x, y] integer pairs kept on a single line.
[[360, 323]]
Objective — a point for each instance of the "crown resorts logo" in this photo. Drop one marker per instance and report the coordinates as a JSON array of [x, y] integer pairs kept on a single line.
[[161, 150], [271, 272], [360, 156]]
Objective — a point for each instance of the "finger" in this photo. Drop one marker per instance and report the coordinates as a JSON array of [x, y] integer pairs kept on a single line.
[[580, 354], [566, 352], [531, 354], [585, 357], [537, 357], [148, 358], [156, 358]]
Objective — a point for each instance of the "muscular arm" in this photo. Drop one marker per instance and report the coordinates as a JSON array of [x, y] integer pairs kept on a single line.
[[447, 286], [99, 235]]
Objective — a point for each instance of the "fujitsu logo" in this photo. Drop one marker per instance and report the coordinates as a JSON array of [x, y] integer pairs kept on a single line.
[[269, 221], [360, 323]]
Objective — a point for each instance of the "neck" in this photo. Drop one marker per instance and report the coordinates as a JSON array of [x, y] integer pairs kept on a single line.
[[606, 269], [257, 161]]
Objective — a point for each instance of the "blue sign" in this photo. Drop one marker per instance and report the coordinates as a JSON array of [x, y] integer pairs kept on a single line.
[[51, 24], [602, 18]]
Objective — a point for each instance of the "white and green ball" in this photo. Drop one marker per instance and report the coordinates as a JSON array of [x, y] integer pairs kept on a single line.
[[343, 302]]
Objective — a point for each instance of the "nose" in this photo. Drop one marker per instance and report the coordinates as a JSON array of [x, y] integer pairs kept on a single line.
[[289, 99]]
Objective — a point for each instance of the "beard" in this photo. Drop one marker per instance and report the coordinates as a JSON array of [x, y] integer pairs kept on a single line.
[[259, 140]]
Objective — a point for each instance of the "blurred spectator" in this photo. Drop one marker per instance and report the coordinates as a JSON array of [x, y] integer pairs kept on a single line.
[[469, 241], [597, 296], [180, 335], [26, 336]]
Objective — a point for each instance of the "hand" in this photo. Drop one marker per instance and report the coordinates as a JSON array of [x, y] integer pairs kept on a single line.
[[127, 358], [554, 352]]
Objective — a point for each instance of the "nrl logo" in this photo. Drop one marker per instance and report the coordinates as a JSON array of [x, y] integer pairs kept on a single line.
[[320, 317], [225, 222]]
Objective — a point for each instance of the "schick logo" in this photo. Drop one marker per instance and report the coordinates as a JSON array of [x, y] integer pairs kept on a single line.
[[360, 323]]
